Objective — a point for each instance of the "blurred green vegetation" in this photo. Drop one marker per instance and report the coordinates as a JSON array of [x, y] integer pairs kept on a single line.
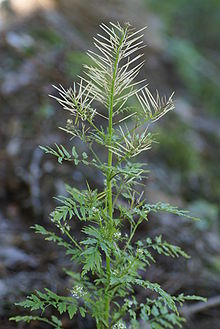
[[177, 150], [191, 29], [48, 36], [74, 63], [207, 211], [184, 153]]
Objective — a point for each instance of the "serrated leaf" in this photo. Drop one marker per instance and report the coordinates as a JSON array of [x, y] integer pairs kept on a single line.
[[166, 207], [62, 307], [82, 311], [72, 309], [93, 260], [56, 320], [156, 325]]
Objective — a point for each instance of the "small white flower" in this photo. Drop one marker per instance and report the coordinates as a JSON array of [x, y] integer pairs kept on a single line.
[[52, 216], [115, 272], [67, 228], [117, 235], [140, 251], [119, 325], [69, 121], [78, 292], [94, 209], [128, 303]]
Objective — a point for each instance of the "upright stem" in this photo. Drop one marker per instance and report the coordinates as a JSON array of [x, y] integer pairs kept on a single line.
[[108, 176]]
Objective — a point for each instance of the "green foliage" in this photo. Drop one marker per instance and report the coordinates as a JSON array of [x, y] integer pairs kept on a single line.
[[197, 73], [208, 211], [47, 35], [74, 62], [54, 322], [165, 248], [110, 264], [177, 149], [166, 207], [157, 314], [193, 52], [63, 155]]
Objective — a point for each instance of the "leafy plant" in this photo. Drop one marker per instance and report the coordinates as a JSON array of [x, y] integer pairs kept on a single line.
[[111, 263]]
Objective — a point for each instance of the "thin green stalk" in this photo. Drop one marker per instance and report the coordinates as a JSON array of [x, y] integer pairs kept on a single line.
[[95, 155], [109, 181], [98, 325], [132, 233], [71, 238]]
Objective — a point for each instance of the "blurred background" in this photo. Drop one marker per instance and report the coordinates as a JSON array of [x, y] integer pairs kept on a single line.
[[44, 43]]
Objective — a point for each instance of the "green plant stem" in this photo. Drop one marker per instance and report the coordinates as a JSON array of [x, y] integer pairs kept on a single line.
[[123, 314], [132, 233], [70, 237], [109, 181]]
